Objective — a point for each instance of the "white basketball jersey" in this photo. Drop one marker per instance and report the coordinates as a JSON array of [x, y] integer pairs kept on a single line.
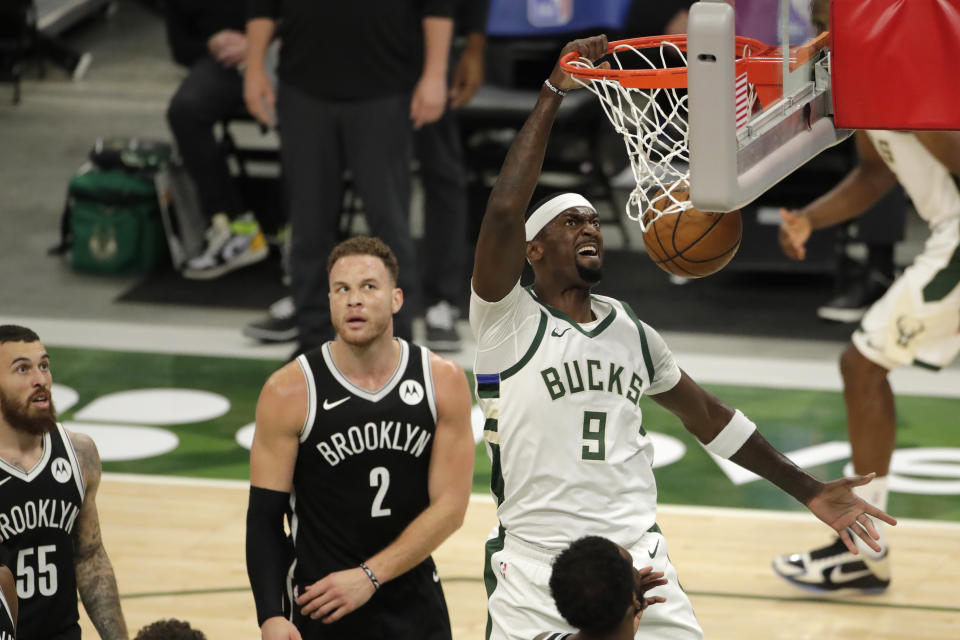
[[563, 427], [930, 185]]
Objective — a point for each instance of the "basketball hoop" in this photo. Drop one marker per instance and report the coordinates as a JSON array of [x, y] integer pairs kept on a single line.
[[644, 95]]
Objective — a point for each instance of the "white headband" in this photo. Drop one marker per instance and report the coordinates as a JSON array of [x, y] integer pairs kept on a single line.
[[551, 209]]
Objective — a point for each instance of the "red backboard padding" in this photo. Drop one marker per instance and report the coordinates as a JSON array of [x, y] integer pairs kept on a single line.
[[895, 64]]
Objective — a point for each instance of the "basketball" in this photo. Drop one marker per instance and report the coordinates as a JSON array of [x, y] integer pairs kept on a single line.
[[693, 243]]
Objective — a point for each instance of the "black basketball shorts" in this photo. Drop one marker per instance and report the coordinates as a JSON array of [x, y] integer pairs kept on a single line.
[[409, 607]]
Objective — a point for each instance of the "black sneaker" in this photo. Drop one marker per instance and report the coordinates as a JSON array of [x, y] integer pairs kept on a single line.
[[833, 568], [279, 325], [442, 334], [851, 304]]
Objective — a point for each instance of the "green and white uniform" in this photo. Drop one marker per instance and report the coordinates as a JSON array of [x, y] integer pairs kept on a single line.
[[917, 321], [569, 452]]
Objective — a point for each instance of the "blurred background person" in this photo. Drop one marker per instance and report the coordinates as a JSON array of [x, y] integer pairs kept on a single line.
[[208, 38]]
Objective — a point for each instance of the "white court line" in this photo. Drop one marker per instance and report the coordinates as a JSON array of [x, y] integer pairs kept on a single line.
[[143, 337], [486, 498], [739, 370]]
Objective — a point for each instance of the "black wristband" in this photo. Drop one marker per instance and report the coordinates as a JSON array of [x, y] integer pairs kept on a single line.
[[373, 578], [549, 85], [268, 551]]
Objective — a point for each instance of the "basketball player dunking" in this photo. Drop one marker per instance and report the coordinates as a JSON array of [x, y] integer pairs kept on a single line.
[[914, 323], [559, 375], [366, 443], [48, 512]]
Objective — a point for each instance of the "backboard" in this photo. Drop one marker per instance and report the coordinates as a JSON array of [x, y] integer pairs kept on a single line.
[[752, 122]]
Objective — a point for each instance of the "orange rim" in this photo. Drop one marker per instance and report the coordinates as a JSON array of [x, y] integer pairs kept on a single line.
[[669, 78]]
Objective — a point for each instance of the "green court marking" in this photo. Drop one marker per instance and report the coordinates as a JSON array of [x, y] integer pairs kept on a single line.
[[790, 419], [698, 594]]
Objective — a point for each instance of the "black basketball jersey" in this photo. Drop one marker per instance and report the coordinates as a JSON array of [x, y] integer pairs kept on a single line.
[[38, 513], [8, 630], [362, 466]]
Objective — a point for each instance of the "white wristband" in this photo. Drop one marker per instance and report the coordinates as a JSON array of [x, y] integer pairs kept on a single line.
[[731, 437]]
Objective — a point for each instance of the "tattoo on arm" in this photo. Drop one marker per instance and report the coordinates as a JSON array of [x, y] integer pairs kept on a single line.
[[95, 578]]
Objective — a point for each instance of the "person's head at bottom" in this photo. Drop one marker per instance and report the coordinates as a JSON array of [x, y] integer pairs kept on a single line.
[[597, 589], [363, 291], [171, 629]]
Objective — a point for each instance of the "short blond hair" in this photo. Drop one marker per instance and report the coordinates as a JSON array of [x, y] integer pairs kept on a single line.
[[365, 246]]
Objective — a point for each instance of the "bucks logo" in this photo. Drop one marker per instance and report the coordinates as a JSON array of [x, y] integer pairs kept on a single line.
[[907, 329], [103, 243]]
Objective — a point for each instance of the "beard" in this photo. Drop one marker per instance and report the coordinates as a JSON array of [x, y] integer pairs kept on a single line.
[[591, 276], [22, 417]]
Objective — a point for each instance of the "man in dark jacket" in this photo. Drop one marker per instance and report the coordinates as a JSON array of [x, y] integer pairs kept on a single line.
[[208, 38]]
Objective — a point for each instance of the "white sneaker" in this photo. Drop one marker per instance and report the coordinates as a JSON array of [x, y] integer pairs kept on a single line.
[[833, 568], [228, 246]]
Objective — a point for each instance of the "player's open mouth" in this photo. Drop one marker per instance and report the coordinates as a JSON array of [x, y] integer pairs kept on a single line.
[[40, 400], [589, 249]]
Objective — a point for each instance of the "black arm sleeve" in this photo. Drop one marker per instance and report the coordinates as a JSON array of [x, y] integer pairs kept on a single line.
[[472, 16], [268, 550]]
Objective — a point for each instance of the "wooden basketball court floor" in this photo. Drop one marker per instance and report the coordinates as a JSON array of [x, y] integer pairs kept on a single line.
[[177, 547]]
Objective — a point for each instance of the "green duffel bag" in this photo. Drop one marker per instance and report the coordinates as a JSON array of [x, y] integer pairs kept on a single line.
[[115, 223]]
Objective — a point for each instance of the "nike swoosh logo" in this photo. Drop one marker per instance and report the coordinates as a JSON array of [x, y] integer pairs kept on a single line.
[[327, 405], [436, 578], [5, 480], [557, 335], [837, 576], [654, 552]]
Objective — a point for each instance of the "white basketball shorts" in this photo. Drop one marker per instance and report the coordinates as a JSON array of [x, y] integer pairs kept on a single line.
[[520, 605], [917, 321]]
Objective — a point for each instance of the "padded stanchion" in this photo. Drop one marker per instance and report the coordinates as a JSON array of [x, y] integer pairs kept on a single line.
[[894, 64]]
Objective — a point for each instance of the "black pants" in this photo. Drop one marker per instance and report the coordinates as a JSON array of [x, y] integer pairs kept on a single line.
[[319, 141], [207, 95], [445, 252]]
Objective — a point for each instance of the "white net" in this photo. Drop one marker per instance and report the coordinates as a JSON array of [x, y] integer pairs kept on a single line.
[[653, 123]]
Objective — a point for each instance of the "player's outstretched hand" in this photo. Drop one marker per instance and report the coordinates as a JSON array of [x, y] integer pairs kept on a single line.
[[590, 48], [278, 628], [336, 595], [648, 580], [795, 230], [839, 507]]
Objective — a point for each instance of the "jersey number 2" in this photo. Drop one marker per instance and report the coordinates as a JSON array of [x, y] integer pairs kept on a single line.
[[42, 578], [594, 432], [379, 477]]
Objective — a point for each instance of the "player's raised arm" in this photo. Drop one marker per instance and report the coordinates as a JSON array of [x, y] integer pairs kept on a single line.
[[501, 245], [281, 412], [96, 582], [729, 434]]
